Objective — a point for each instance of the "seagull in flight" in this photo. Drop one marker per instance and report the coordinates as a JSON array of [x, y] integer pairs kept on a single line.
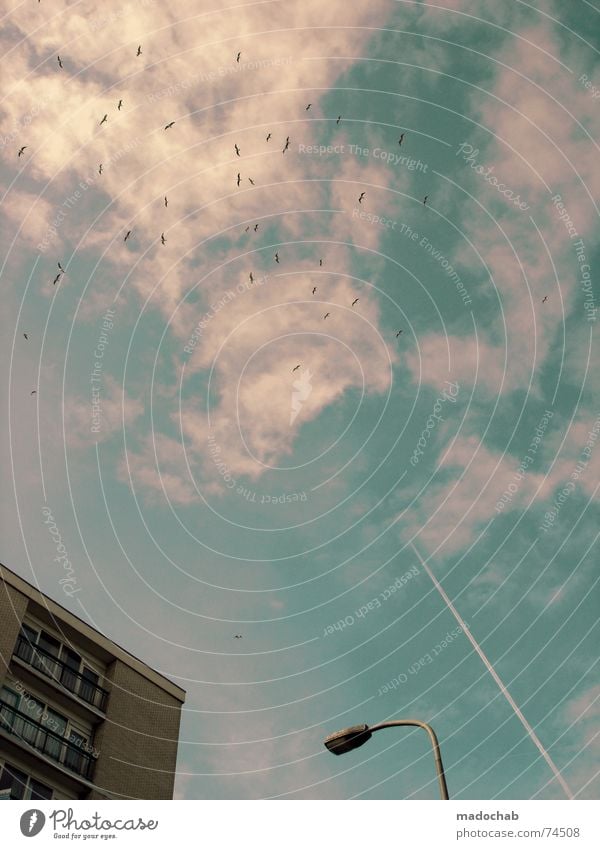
[[139, 50], [237, 58], [308, 107], [276, 257], [239, 179], [119, 104], [425, 199], [320, 262], [325, 316], [247, 228], [26, 336], [162, 238], [237, 150], [22, 151], [255, 227], [56, 279], [127, 235], [100, 169], [62, 271], [168, 126], [251, 181], [314, 289], [269, 136], [60, 64], [361, 197], [544, 299], [104, 120], [287, 144], [296, 367], [398, 333], [33, 392], [237, 636], [166, 201], [401, 139], [355, 301], [251, 277], [339, 118]]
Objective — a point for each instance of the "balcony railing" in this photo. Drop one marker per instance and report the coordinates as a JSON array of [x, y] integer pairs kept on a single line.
[[61, 673], [19, 725]]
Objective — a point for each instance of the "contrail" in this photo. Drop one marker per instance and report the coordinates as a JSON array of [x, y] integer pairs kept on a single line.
[[497, 678]]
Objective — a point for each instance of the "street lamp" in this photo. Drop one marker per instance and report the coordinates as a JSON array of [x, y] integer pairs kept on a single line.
[[351, 738]]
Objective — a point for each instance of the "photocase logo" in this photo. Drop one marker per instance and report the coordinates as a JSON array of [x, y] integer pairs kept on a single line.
[[302, 389], [32, 822]]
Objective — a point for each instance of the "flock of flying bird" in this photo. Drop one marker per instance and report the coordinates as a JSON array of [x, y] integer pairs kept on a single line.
[[237, 150]]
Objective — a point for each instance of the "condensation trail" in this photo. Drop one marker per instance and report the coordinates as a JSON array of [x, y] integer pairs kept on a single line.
[[496, 678]]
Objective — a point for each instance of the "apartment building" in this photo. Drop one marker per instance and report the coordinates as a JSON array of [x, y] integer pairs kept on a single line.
[[80, 717]]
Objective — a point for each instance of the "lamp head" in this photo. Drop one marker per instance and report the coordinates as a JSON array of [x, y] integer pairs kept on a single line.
[[348, 739]]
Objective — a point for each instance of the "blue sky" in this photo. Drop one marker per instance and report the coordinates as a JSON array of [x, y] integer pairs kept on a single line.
[[203, 488]]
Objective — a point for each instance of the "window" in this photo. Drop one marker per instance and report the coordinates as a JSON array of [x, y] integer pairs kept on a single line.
[[87, 687], [68, 675], [22, 786], [50, 649]]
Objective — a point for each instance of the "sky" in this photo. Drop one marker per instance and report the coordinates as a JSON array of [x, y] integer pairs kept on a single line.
[[333, 394]]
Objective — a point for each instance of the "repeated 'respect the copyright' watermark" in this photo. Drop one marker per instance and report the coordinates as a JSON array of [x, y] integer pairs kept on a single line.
[[373, 604]]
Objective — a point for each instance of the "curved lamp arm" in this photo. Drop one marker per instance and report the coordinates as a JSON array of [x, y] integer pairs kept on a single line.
[[434, 744], [351, 738]]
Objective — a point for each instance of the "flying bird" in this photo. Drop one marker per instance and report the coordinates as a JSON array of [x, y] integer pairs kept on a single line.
[[56, 279], [276, 257], [255, 227], [287, 144], [544, 299], [361, 197], [398, 333], [355, 301], [425, 199], [237, 58], [127, 235], [339, 118], [104, 120], [100, 169], [251, 181], [26, 336], [166, 201], [251, 277], [22, 150], [269, 136], [239, 179], [59, 62], [60, 267], [237, 150], [325, 316], [119, 104], [162, 238], [237, 636], [296, 367], [168, 126], [139, 50], [320, 262], [33, 392], [247, 228], [314, 289], [308, 107], [401, 139]]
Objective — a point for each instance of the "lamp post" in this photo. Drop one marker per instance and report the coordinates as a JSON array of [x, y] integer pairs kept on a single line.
[[351, 738]]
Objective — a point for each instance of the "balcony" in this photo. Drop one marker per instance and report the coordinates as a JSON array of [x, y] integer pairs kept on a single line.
[[69, 755], [61, 673]]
